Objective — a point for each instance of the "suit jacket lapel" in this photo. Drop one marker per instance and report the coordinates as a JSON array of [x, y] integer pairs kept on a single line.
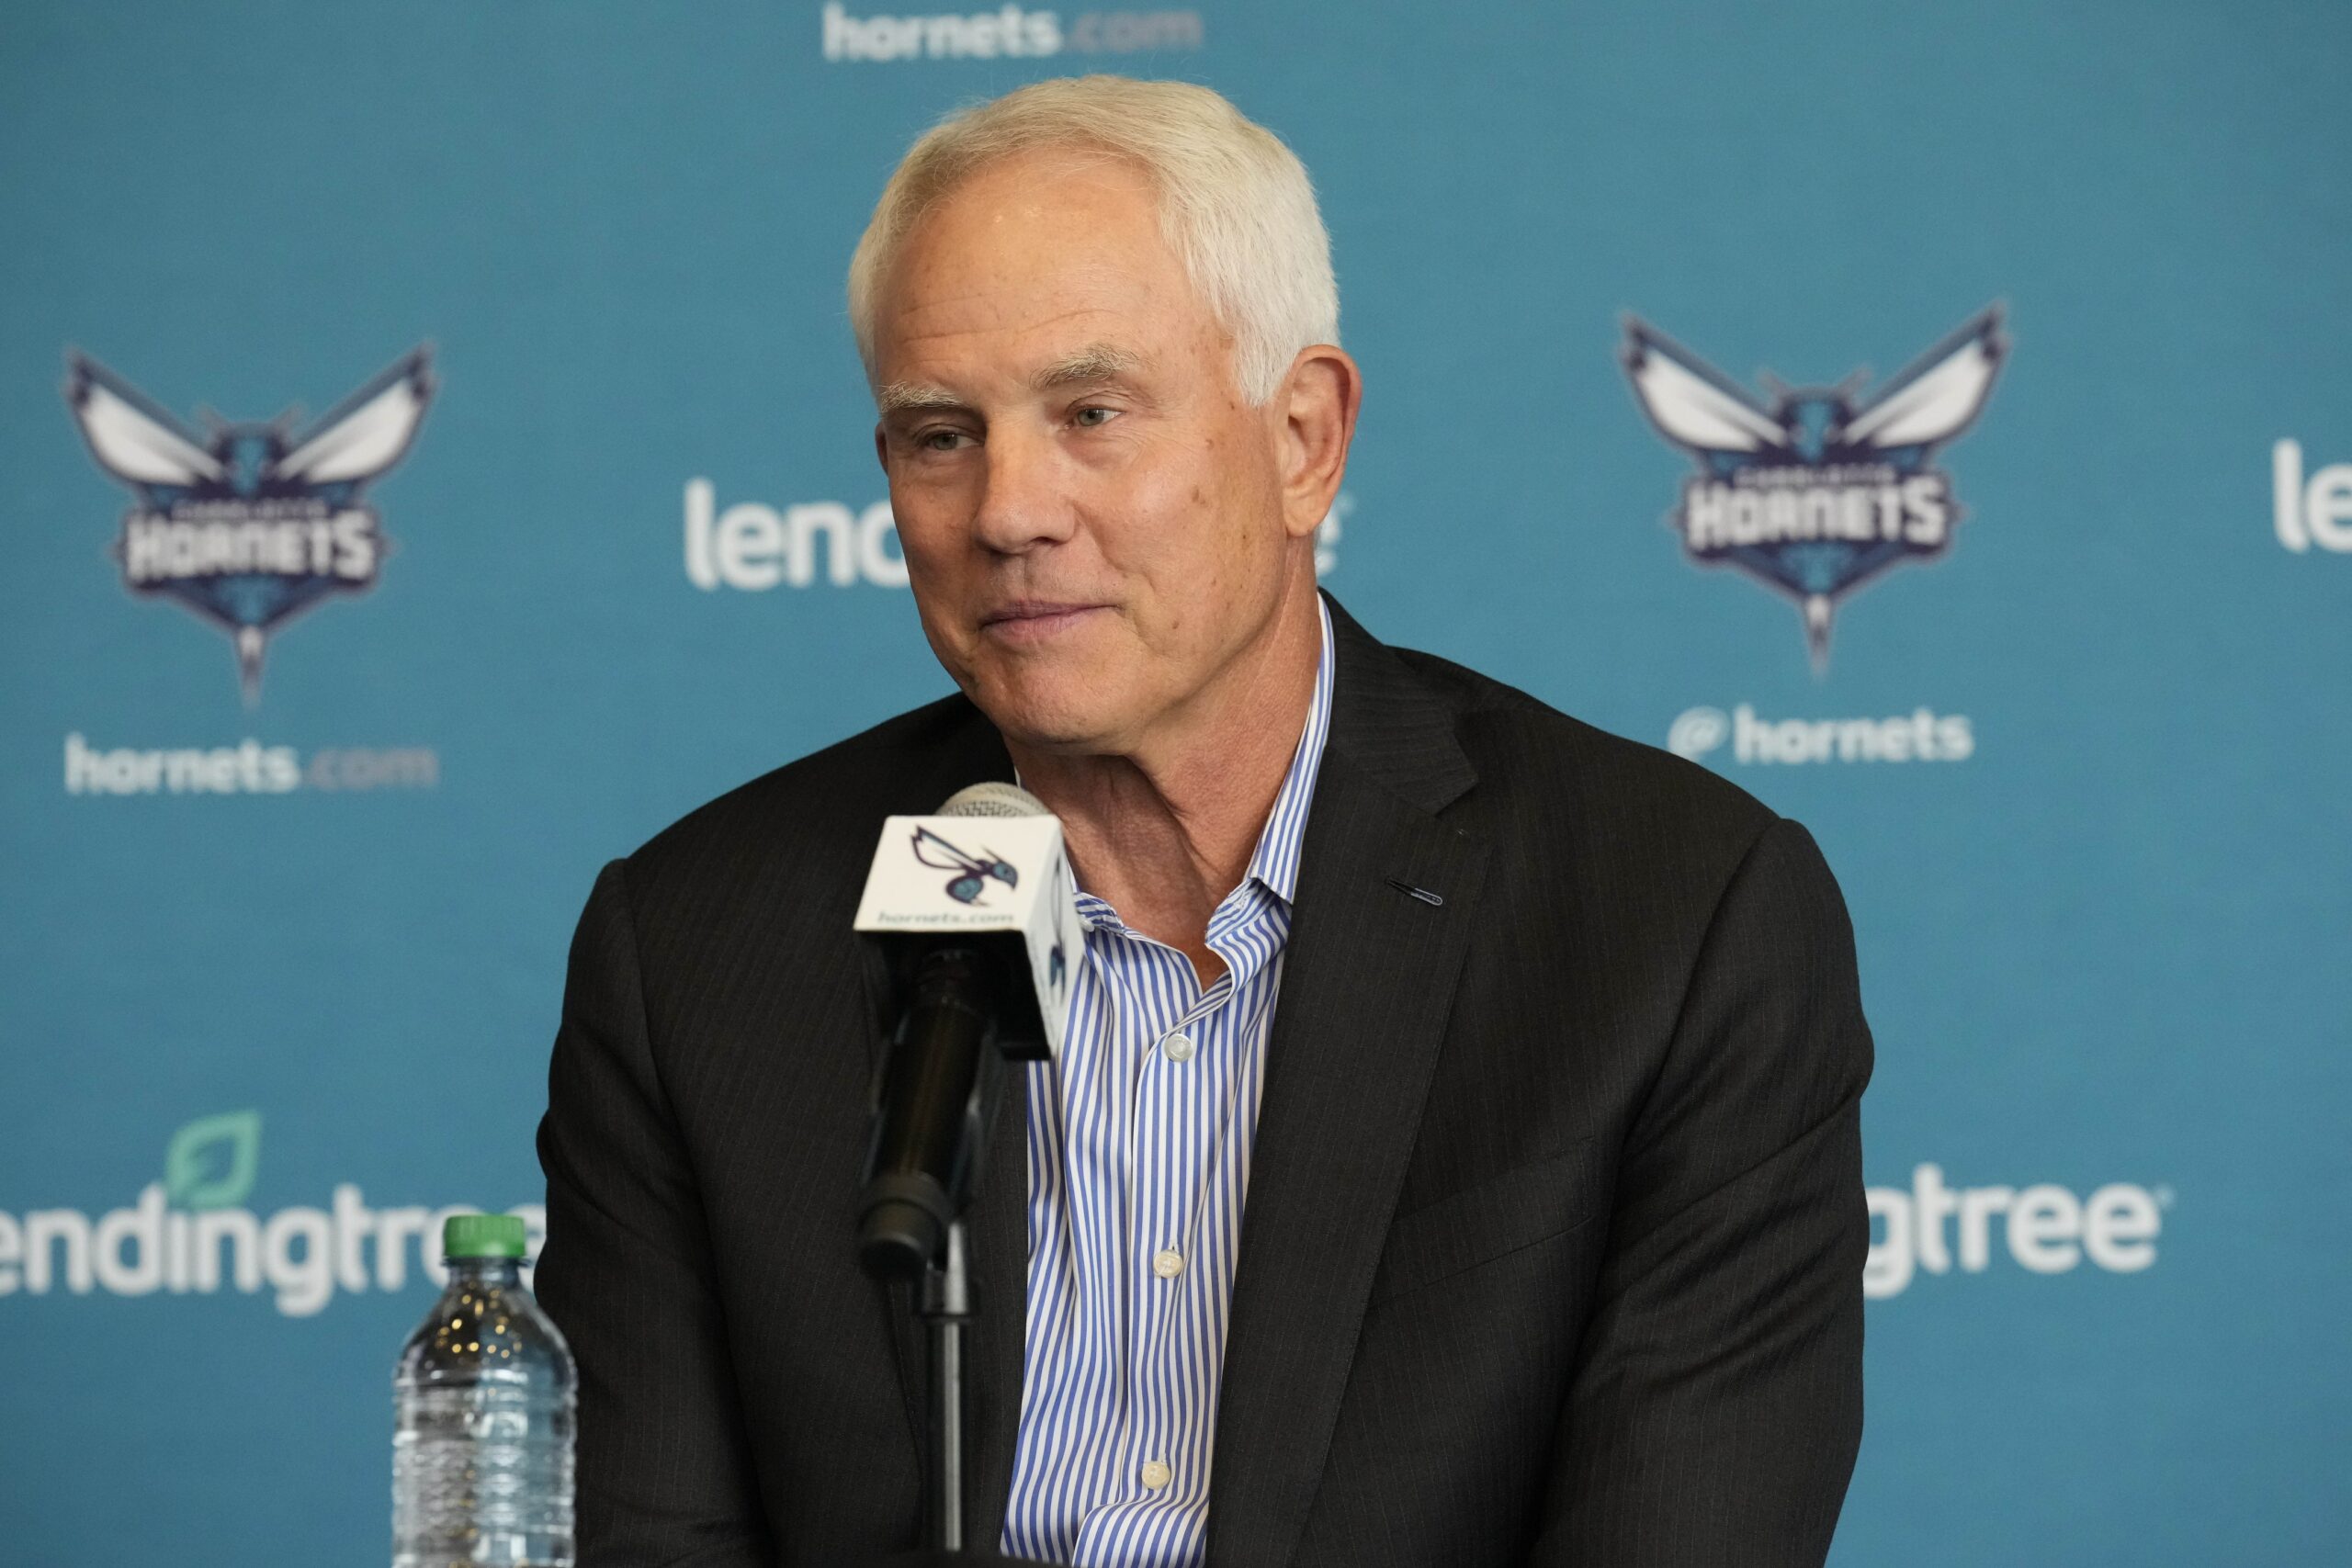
[[1368, 980]]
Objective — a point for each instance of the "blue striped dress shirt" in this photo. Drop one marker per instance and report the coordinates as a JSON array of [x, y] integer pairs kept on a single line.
[[1138, 1152]]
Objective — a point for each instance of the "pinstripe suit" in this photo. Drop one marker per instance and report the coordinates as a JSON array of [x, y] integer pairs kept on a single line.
[[1555, 1227]]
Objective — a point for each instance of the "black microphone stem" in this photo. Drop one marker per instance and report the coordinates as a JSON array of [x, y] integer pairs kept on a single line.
[[937, 1088]]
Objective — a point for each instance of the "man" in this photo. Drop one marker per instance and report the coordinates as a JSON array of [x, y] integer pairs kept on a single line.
[[1453, 1159]]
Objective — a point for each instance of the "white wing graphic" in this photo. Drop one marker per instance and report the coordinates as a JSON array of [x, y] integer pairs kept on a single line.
[[1692, 409], [1935, 398], [367, 434], [131, 443]]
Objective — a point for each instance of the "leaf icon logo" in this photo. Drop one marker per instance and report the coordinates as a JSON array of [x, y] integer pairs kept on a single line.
[[211, 1162]]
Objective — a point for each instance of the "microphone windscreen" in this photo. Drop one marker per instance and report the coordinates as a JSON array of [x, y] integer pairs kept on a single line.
[[993, 799]]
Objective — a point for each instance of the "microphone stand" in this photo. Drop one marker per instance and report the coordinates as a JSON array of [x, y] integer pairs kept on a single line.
[[948, 1087], [947, 1308]]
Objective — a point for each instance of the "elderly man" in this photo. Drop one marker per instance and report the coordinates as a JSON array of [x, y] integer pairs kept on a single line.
[[1453, 1159]]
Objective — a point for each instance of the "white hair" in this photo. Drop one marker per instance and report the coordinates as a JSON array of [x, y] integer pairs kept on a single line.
[[1235, 205]]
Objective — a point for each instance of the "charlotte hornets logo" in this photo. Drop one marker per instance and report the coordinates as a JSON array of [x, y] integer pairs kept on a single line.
[[972, 872], [249, 525], [1819, 489]]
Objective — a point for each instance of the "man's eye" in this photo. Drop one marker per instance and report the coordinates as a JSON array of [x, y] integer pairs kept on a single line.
[[1094, 415], [940, 440]]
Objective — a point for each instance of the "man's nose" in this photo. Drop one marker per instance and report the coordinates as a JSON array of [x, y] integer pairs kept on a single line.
[[1025, 497]]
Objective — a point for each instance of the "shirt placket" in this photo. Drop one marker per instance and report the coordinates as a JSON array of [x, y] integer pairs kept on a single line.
[[1189, 1078], [1168, 1167]]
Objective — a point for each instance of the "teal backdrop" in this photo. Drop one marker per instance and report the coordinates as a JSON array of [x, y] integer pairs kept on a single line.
[[310, 750]]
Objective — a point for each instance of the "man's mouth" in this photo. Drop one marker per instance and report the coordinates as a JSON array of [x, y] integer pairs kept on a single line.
[[1034, 620]]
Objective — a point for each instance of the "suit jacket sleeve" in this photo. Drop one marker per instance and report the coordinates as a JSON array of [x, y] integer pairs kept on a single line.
[[1717, 1401], [627, 1273]]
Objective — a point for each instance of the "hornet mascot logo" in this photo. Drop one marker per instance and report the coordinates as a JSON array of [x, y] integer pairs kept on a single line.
[[972, 872], [249, 525], [1820, 490]]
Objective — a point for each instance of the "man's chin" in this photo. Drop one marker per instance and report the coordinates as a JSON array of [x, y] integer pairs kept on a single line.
[[1065, 737], [1063, 722]]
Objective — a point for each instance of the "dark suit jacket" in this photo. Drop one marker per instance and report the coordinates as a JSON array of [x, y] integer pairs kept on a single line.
[[1553, 1239]]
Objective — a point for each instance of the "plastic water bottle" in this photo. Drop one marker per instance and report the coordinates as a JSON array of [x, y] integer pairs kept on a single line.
[[483, 1403]]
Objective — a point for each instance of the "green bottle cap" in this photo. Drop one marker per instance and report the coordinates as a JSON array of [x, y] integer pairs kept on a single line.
[[482, 1235]]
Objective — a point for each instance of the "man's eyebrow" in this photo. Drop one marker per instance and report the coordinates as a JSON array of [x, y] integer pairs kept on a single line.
[[1095, 362], [900, 397]]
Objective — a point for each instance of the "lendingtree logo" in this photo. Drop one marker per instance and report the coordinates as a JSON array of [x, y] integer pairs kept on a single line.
[[751, 545], [211, 1163], [191, 1234], [1931, 1226]]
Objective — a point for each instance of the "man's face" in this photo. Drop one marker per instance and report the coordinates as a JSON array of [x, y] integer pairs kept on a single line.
[[1092, 520]]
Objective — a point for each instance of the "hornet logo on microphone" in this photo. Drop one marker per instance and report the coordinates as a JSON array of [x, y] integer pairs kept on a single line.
[[249, 525], [1814, 491], [972, 872]]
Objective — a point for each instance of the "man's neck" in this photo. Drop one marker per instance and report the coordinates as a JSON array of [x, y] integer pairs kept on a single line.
[[1162, 834]]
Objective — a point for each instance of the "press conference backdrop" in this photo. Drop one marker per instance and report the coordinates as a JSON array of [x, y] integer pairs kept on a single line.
[[433, 458]]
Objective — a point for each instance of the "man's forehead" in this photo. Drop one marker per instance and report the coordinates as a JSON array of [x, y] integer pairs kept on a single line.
[[1032, 305], [1015, 224], [1026, 263]]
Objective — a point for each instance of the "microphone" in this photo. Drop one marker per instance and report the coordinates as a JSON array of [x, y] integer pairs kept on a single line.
[[976, 910]]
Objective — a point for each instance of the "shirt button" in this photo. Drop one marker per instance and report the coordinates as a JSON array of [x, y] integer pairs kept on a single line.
[[1178, 1047], [1168, 1264], [1155, 1474]]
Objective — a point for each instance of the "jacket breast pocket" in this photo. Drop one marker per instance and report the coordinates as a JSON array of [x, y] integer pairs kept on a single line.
[[1524, 1205]]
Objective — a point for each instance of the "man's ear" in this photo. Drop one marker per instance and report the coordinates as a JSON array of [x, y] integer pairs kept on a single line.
[[881, 447], [1316, 404]]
